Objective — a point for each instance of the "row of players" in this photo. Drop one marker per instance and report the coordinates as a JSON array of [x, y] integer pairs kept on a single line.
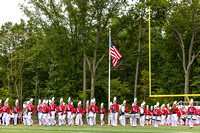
[[46, 114]]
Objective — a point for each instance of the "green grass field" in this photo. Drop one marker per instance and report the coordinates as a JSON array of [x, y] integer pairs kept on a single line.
[[96, 129]]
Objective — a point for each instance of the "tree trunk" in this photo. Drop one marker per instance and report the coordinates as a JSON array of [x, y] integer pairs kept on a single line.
[[92, 85], [84, 80], [138, 58], [186, 89]]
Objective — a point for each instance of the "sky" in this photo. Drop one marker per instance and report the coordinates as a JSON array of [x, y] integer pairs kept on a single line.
[[10, 11]]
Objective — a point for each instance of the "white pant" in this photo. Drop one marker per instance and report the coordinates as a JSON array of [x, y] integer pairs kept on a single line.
[[69, 117], [198, 119], [142, 120], [91, 119], [191, 122], [5, 119], [87, 119], [101, 118], [148, 122], [115, 118], [15, 118], [73, 115], [174, 120], [60, 119], [0, 118], [168, 120], [79, 118], [45, 119], [122, 120], [95, 115], [40, 118], [163, 120], [29, 119], [25, 118], [155, 123], [134, 122], [63, 118], [53, 121]]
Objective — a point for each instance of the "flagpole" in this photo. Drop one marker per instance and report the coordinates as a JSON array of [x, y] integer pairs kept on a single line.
[[109, 75]]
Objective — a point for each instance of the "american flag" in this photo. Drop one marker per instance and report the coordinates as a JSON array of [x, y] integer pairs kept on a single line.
[[115, 54]]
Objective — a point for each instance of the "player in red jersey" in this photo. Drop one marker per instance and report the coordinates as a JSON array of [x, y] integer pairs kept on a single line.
[[134, 109], [6, 113], [163, 114], [102, 114], [174, 116], [110, 112], [54, 109], [87, 111], [79, 114], [191, 111], [168, 119], [16, 111], [142, 114], [122, 113], [157, 113], [69, 109], [60, 112], [115, 111], [31, 110], [147, 113], [39, 111]]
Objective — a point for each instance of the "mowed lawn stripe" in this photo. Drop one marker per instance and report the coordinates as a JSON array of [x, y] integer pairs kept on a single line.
[[96, 129]]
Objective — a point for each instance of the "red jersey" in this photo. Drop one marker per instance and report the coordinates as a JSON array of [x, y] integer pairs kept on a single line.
[[168, 111], [74, 111], [102, 111], [30, 108], [61, 108], [126, 109], [7, 109], [46, 109], [191, 110], [148, 112], [135, 109], [142, 113], [182, 112], [79, 111], [16, 109], [157, 112], [110, 111], [115, 108], [163, 112], [39, 109], [93, 109], [176, 110], [87, 110], [1, 109], [53, 107], [69, 108]]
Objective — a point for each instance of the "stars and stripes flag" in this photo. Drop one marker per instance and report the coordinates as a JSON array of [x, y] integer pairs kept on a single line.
[[115, 54]]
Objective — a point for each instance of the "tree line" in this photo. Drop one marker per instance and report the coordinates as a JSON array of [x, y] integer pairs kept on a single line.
[[62, 50]]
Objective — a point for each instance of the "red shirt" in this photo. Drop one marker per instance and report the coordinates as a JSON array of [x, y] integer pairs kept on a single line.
[[116, 107], [79, 111], [176, 111], [86, 109], [163, 112], [148, 112], [46, 109], [69, 108], [126, 109], [61, 108], [93, 109], [135, 109], [102, 111], [7, 109], [30, 108], [53, 107], [157, 112], [39, 109], [74, 111], [168, 111], [16, 109], [1, 109], [110, 110], [191, 109]]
